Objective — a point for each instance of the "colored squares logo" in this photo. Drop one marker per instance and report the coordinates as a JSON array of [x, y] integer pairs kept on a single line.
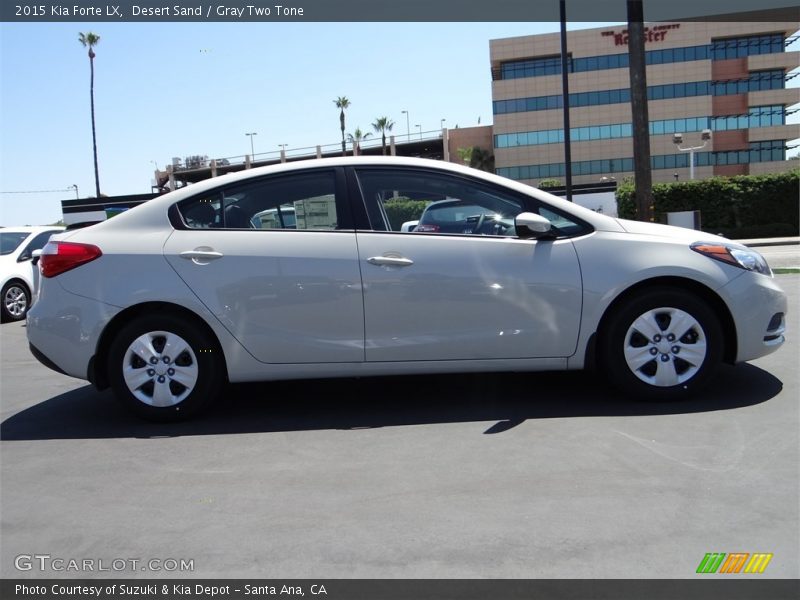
[[735, 562]]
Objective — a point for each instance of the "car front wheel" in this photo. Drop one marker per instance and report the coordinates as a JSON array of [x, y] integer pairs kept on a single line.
[[16, 300], [663, 344], [164, 369]]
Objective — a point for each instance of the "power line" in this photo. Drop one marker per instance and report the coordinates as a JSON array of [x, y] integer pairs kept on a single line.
[[39, 191]]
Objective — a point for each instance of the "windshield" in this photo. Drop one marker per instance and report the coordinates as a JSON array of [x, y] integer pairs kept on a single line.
[[10, 240], [450, 212]]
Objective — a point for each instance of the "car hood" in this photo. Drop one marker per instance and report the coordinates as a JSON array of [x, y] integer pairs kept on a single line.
[[670, 231]]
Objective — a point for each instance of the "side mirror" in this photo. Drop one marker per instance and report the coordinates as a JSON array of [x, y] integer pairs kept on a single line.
[[530, 225], [409, 226], [35, 255]]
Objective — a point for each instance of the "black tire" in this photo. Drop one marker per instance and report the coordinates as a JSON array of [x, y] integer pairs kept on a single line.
[[15, 301], [161, 396], [660, 367]]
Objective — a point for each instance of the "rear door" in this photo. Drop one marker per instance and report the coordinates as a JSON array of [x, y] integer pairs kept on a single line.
[[275, 260]]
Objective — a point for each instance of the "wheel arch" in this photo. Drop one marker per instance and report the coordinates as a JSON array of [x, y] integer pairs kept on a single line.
[[717, 304], [98, 364], [20, 280]]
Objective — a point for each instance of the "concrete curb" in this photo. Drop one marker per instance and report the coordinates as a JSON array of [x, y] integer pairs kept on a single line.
[[785, 241]]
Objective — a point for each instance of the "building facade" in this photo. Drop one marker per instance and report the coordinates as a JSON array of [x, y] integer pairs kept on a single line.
[[730, 78]]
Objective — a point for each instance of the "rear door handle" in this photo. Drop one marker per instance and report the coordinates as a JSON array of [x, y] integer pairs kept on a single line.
[[391, 261]]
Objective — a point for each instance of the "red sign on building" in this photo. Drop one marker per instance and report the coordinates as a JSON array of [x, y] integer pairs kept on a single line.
[[656, 33]]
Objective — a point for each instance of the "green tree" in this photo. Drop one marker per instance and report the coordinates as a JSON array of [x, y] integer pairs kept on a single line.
[[546, 184], [356, 138], [465, 154], [382, 125], [482, 159], [342, 103], [90, 40], [477, 158]]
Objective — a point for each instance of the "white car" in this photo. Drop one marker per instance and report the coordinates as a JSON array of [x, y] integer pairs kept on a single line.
[[170, 300], [17, 269]]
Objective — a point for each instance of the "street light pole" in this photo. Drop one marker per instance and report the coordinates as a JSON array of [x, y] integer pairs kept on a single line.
[[441, 123], [77, 196], [420, 129], [408, 127], [252, 150], [677, 139]]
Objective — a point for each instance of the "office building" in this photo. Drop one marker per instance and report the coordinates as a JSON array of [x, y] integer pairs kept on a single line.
[[730, 78]]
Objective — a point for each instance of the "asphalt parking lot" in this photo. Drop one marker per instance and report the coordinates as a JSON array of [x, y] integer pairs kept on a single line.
[[497, 476]]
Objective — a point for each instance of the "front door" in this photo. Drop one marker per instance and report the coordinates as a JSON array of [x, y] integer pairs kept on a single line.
[[462, 285]]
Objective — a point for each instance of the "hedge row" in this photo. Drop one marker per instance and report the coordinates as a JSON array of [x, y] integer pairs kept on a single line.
[[737, 207], [401, 210]]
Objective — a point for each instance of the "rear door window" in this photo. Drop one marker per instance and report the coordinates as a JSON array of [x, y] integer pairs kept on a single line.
[[303, 200]]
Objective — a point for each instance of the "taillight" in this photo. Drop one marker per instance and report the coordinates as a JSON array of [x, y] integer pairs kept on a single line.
[[58, 257], [427, 228]]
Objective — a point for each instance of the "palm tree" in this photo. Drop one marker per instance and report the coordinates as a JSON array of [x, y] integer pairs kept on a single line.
[[477, 158], [482, 159], [382, 125], [342, 103], [465, 154], [356, 138], [91, 40]]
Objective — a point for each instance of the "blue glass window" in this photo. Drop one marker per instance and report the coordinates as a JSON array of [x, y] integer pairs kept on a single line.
[[757, 80], [747, 46], [767, 151], [718, 50], [618, 96], [549, 65]]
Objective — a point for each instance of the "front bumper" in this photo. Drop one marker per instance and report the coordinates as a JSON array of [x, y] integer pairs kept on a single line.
[[758, 306]]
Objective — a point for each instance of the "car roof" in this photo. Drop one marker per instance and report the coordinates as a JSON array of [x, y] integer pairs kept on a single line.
[[154, 212]]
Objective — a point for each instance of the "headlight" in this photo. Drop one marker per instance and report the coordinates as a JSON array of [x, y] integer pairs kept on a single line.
[[744, 258]]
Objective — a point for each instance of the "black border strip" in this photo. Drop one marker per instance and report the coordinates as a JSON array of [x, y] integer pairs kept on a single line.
[[704, 587], [389, 10]]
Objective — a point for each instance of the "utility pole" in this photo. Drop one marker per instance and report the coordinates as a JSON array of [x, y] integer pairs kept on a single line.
[[565, 102], [641, 120]]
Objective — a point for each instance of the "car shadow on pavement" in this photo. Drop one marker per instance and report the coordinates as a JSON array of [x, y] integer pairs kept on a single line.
[[506, 399]]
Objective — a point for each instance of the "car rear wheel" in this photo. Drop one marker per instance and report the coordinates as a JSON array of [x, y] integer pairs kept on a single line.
[[164, 368], [663, 344], [16, 301]]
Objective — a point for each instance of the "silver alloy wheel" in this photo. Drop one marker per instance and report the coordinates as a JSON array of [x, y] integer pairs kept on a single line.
[[160, 368], [15, 301], [665, 347]]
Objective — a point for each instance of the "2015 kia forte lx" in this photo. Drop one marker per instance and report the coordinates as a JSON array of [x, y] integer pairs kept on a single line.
[[301, 270]]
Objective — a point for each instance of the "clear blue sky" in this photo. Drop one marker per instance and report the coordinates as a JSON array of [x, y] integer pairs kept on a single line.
[[177, 89]]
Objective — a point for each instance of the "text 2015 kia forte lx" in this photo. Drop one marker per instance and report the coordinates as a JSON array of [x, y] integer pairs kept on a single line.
[[301, 270]]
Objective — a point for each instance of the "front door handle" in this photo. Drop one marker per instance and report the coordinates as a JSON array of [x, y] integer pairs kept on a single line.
[[201, 256], [390, 261]]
